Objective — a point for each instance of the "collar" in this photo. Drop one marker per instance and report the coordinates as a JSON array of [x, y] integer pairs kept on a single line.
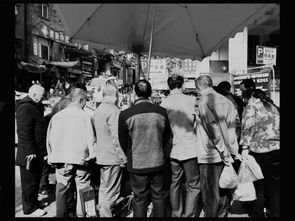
[[106, 101], [142, 100], [175, 91]]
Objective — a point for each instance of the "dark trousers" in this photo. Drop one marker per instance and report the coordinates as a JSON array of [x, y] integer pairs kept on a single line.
[[44, 181], [269, 187], [216, 200], [30, 187], [146, 186], [190, 168]]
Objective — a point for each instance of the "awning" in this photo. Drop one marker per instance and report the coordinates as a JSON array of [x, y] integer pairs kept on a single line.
[[34, 68], [64, 64]]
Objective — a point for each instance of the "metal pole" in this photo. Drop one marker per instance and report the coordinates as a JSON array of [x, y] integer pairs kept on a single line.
[[151, 42]]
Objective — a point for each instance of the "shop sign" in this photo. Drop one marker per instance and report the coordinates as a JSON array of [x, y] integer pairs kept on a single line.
[[262, 81], [44, 30], [51, 33], [67, 39], [56, 36], [61, 37], [266, 55]]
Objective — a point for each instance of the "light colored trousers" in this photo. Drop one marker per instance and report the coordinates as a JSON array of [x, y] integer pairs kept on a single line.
[[109, 189], [65, 176]]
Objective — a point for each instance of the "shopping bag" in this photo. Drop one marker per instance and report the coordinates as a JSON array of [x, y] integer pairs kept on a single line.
[[245, 192], [228, 178], [254, 168], [123, 206], [88, 201]]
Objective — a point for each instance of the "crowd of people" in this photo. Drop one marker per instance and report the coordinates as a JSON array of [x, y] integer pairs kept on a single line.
[[182, 139]]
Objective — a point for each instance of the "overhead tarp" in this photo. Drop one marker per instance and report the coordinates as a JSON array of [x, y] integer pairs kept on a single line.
[[64, 64], [180, 30]]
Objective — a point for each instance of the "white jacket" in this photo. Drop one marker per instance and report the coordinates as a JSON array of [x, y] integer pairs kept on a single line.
[[70, 137]]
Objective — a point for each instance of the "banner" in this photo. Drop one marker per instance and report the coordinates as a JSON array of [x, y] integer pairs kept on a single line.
[[261, 79]]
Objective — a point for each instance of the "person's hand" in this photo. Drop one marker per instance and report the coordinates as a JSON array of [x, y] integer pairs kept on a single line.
[[226, 158], [30, 157], [46, 157], [245, 154]]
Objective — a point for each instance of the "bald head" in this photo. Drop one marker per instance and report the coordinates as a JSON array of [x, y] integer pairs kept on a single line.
[[203, 82], [36, 93], [79, 97], [110, 90], [111, 93]]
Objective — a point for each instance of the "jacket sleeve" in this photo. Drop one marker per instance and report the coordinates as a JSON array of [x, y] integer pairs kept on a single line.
[[25, 128], [112, 122], [90, 137], [211, 126], [40, 136], [123, 133], [48, 145], [248, 123]]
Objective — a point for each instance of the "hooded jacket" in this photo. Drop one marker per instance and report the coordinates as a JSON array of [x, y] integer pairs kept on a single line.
[[28, 118]]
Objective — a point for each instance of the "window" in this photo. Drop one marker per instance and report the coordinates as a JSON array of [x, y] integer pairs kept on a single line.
[[44, 52], [44, 10]]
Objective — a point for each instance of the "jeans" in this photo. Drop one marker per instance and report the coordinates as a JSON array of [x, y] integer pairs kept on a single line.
[[109, 189], [269, 187], [30, 187], [145, 186], [66, 176], [216, 200], [192, 176]]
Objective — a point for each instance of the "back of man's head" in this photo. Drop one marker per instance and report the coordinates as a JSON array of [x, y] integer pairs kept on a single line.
[[36, 92], [224, 85], [110, 90], [143, 89], [204, 81], [175, 81], [79, 97]]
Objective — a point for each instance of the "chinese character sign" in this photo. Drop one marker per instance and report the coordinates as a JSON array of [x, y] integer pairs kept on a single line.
[[266, 55]]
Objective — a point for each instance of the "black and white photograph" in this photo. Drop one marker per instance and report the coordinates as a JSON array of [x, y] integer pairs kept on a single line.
[[146, 110]]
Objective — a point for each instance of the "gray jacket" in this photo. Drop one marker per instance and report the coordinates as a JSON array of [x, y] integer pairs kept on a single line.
[[105, 120]]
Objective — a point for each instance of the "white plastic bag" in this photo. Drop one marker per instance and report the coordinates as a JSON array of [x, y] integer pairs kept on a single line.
[[254, 168], [228, 178], [245, 190]]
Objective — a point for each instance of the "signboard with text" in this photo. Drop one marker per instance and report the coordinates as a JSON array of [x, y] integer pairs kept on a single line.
[[266, 55], [262, 81]]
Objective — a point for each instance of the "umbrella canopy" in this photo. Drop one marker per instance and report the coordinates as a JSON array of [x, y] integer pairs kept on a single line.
[[179, 30]]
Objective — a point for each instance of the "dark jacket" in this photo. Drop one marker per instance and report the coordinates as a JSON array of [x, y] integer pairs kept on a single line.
[[144, 131], [28, 119]]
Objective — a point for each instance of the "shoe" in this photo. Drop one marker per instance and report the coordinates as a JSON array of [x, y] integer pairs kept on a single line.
[[37, 213]]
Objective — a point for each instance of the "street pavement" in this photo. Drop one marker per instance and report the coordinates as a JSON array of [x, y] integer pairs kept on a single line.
[[238, 209]]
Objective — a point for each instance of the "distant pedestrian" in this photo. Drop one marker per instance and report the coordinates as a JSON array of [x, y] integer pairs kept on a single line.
[[144, 131], [109, 154], [217, 142], [29, 112], [70, 143], [183, 156], [261, 138]]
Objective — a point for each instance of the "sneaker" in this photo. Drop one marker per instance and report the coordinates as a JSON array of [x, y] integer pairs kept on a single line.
[[37, 213]]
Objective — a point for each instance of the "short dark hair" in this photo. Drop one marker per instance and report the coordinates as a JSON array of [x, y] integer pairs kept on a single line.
[[224, 85], [143, 89], [248, 83], [175, 81]]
